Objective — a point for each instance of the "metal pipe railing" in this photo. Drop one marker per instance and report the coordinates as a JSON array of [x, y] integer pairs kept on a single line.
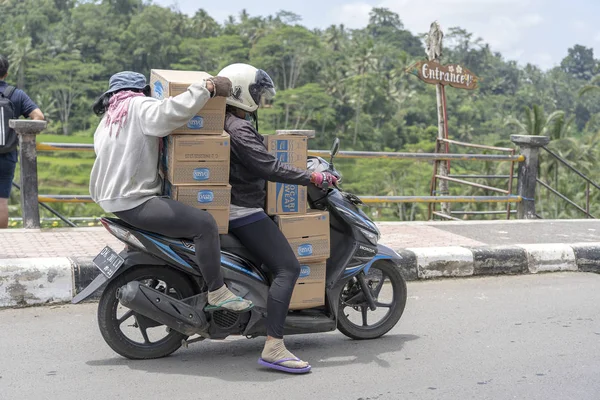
[[420, 156], [565, 198]]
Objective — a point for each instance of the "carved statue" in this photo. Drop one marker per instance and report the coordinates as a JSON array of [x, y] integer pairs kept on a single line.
[[434, 42]]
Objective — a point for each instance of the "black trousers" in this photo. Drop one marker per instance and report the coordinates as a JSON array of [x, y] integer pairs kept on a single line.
[[267, 243], [174, 219]]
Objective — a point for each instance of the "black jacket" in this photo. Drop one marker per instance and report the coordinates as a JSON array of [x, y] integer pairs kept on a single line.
[[252, 165]]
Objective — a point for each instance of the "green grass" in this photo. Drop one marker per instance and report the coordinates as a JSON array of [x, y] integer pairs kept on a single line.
[[65, 139], [61, 173]]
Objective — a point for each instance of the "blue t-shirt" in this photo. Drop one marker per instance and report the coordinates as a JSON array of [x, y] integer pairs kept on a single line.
[[22, 103], [23, 106]]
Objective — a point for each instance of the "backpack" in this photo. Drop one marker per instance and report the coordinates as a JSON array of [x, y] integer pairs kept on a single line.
[[8, 137]]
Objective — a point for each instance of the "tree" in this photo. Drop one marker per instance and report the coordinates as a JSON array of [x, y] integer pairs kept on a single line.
[[68, 79], [592, 87], [286, 51], [535, 123], [580, 62], [20, 53], [301, 106]]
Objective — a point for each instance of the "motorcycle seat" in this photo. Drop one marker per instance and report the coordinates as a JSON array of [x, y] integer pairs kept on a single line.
[[229, 243], [232, 244]]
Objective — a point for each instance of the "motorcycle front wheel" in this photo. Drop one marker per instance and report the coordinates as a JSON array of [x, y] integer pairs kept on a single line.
[[388, 288], [133, 335]]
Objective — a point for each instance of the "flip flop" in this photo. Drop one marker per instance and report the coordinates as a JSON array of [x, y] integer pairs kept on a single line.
[[220, 305], [276, 365]]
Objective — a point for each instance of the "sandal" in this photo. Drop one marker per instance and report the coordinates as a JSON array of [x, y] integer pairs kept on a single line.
[[220, 305], [277, 365]]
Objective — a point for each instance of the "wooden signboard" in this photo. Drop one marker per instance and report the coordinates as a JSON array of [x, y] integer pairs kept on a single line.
[[436, 74]]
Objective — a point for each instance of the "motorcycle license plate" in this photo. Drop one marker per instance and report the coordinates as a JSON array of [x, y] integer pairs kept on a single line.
[[108, 261]]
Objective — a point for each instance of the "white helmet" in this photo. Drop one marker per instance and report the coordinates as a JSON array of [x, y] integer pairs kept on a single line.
[[248, 86]]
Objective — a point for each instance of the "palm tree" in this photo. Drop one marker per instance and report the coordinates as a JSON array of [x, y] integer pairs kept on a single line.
[[591, 87], [536, 123], [20, 53]]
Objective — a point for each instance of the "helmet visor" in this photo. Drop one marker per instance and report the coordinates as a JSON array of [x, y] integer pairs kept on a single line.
[[263, 87]]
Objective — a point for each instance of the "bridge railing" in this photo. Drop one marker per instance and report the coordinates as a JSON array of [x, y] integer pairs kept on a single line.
[[524, 198]]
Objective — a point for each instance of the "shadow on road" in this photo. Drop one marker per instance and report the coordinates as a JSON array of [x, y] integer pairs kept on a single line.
[[235, 360]]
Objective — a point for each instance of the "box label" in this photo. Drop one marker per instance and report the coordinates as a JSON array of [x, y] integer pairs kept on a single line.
[[304, 271], [206, 196], [282, 145], [305, 250], [196, 122], [283, 157], [287, 197], [201, 174], [159, 92]]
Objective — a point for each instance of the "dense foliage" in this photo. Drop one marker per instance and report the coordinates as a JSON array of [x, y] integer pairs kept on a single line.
[[342, 83]]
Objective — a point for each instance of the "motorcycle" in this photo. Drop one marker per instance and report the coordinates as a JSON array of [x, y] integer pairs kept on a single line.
[[154, 296]]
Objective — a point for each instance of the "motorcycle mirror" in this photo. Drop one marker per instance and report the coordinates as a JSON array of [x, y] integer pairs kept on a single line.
[[335, 149]]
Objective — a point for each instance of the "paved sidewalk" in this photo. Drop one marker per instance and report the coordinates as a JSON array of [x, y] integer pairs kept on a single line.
[[46, 266], [62, 242], [87, 242]]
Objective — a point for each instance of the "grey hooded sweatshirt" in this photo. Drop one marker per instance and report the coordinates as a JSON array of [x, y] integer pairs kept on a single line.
[[125, 173]]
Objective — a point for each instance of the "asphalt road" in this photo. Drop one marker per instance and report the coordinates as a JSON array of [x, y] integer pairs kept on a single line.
[[523, 337]]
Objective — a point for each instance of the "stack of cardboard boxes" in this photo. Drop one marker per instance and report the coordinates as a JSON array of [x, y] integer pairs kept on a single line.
[[195, 167], [195, 161], [307, 233]]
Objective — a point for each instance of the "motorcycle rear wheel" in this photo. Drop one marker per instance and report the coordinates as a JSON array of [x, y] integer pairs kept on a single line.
[[352, 297], [172, 283]]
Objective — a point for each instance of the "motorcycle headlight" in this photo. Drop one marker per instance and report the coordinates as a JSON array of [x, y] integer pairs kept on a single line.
[[373, 237]]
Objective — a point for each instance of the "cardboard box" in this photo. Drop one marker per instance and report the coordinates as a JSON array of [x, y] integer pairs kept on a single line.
[[196, 173], [309, 291], [196, 148], [221, 216], [289, 149], [284, 198], [314, 223], [214, 199], [194, 160], [169, 83], [307, 234], [203, 197], [311, 248]]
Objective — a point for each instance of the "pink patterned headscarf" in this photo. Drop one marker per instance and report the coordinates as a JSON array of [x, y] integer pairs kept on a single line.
[[118, 109]]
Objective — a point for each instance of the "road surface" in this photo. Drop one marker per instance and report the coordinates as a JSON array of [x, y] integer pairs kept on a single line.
[[523, 337]]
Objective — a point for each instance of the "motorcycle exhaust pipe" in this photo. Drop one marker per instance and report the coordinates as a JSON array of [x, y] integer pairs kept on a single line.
[[161, 308]]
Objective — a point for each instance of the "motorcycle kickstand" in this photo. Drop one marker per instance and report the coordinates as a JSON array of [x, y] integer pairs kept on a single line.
[[186, 343]]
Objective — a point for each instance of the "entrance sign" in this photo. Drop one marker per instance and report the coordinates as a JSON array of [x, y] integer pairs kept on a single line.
[[454, 75], [436, 74]]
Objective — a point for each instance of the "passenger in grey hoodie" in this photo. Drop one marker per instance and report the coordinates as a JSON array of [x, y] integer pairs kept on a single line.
[[125, 177]]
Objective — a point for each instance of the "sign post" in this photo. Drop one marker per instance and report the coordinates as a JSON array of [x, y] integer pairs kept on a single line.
[[432, 72]]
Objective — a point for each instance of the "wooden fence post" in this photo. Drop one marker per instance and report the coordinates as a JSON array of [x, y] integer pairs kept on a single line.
[[528, 172], [28, 131]]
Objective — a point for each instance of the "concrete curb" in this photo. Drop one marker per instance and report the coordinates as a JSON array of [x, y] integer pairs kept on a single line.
[[33, 281], [435, 262]]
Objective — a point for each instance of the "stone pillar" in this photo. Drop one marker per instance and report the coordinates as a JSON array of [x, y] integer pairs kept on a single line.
[[528, 172], [28, 131]]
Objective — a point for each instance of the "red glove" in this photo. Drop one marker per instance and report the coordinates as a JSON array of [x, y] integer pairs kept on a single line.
[[318, 178]]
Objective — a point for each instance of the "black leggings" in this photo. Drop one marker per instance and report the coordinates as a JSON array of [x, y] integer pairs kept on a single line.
[[266, 242], [176, 220]]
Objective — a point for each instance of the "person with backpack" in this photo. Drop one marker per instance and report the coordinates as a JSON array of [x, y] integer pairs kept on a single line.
[[14, 103]]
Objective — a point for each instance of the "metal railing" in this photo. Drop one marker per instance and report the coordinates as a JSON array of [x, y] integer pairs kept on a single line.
[[70, 147], [589, 182], [462, 179], [30, 198]]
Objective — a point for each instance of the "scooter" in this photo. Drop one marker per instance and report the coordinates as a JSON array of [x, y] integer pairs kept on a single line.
[[154, 296]]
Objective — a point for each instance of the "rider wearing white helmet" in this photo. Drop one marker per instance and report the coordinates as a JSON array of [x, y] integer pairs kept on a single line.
[[251, 166]]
